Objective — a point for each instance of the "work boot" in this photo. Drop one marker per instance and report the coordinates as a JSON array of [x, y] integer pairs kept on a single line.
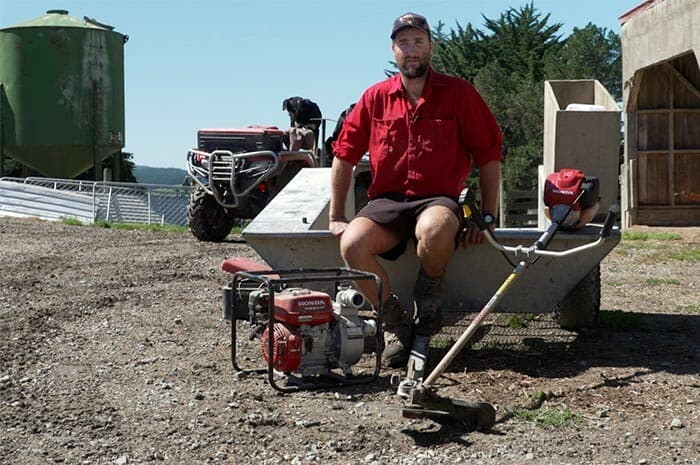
[[427, 295], [398, 333]]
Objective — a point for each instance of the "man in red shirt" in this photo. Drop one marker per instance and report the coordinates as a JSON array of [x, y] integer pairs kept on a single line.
[[422, 130]]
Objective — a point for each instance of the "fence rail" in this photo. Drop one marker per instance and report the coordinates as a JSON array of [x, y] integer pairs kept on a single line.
[[109, 201], [519, 209]]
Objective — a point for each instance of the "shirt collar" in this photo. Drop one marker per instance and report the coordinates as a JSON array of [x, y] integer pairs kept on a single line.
[[435, 79]]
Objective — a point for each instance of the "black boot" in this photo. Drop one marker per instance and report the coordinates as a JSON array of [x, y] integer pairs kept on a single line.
[[427, 295], [398, 334]]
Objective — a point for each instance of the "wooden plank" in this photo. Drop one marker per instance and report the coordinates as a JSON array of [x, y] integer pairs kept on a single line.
[[687, 191], [683, 80], [671, 145], [519, 208], [667, 216]]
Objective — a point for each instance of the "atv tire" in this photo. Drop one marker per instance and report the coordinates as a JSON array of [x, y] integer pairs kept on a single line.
[[581, 307], [208, 221]]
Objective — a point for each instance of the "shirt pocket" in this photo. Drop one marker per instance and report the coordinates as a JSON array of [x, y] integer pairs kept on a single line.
[[445, 138], [389, 138], [439, 147]]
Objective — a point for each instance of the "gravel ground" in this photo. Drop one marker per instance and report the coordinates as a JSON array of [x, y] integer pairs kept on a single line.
[[113, 351]]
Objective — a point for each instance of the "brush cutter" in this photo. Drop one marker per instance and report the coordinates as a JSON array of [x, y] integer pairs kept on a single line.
[[566, 191]]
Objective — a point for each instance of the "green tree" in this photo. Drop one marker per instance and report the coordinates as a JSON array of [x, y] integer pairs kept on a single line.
[[588, 53], [124, 172], [519, 39], [459, 53]]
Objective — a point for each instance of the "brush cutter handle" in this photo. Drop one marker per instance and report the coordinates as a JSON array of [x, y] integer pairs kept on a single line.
[[467, 200], [610, 221]]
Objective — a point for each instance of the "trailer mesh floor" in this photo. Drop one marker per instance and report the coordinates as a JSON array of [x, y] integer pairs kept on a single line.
[[503, 329]]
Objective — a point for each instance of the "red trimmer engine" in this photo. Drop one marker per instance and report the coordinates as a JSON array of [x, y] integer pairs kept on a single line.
[[570, 189]]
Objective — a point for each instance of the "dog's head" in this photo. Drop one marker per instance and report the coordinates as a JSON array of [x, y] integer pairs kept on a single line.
[[291, 104]]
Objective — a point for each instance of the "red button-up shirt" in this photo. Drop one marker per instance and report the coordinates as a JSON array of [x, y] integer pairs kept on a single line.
[[423, 150]]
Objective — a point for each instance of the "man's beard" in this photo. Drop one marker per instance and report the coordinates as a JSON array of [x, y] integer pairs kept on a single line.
[[413, 71]]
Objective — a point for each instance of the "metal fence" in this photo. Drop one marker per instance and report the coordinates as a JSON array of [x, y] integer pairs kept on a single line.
[[116, 202]]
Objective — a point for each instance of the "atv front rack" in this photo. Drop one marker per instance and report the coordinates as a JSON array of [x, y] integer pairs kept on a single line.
[[240, 172], [275, 280]]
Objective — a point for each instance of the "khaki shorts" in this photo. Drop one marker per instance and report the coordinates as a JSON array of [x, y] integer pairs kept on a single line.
[[399, 214]]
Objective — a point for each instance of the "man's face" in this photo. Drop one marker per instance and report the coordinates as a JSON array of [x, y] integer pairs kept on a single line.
[[412, 49]]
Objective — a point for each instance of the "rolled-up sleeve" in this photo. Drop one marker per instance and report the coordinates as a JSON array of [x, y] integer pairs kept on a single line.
[[353, 140], [479, 130]]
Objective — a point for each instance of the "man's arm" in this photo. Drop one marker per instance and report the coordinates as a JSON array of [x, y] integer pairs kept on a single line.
[[489, 184], [341, 175]]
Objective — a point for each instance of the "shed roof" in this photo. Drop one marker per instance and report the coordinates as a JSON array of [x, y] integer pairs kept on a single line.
[[638, 9]]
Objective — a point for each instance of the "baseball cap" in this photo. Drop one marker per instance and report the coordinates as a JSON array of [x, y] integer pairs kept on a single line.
[[410, 20]]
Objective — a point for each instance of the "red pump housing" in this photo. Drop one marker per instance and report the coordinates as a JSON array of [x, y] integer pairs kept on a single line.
[[294, 308], [303, 307]]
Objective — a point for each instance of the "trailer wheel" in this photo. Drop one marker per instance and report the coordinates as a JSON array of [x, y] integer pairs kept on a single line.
[[581, 307], [208, 221]]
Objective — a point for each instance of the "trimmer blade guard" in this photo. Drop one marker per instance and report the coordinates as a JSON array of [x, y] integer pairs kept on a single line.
[[426, 404]]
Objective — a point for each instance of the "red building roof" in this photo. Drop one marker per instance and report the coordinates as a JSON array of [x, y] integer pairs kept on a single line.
[[638, 9]]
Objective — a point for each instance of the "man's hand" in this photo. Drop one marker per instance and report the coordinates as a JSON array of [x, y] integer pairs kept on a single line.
[[337, 226], [472, 235]]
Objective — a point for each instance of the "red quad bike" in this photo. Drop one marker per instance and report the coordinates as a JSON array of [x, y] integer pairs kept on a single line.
[[236, 172], [310, 339]]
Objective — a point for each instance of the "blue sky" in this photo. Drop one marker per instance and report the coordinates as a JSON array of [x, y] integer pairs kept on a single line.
[[216, 63]]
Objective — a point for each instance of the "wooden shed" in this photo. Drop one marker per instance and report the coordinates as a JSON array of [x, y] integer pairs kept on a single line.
[[661, 99]]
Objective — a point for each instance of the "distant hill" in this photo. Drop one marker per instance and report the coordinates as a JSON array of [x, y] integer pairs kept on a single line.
[[151, 175]]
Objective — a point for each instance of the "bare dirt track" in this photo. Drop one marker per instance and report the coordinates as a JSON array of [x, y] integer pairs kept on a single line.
[[113, 351]]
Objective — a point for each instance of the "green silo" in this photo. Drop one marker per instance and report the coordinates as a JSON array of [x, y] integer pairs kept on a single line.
[[61, 93]]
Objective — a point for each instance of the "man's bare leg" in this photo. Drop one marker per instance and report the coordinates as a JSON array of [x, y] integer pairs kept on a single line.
[[360, 244]]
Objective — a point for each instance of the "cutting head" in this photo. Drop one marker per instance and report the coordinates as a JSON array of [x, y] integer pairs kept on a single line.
[[424, 403]]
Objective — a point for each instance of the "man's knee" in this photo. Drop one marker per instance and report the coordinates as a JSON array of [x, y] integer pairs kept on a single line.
[[351, 248], [437, 227], [364, 239]]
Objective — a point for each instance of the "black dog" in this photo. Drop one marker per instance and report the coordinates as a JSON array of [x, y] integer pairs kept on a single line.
[[302, 112]]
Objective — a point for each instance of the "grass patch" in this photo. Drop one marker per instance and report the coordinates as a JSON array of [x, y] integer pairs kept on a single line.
[[662, 281], [519, 321], [615, 283], [128, 226], [149, 227], [692, 309], [617, 320], [71, 221], [650, 236], [548, 417], [690, 255]]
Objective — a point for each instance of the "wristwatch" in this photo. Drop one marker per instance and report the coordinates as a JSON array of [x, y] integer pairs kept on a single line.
[[489, 219]]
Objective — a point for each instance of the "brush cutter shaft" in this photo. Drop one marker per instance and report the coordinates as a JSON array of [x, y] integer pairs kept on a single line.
[[526, 256], [476, 322]]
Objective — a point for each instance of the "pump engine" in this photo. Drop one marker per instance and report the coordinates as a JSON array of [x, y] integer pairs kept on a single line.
[[311, 334], [304, 334]]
